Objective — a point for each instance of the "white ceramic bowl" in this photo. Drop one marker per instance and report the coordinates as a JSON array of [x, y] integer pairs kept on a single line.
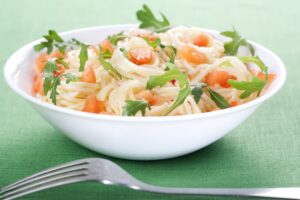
[[140, 138]]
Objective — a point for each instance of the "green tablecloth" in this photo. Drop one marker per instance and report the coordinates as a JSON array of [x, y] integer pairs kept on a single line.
[[263, 152]]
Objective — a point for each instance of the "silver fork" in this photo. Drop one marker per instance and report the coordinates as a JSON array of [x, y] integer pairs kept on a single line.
[[107, 172]]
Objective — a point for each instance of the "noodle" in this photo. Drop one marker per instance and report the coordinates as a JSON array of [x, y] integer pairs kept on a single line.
[[133, 86]]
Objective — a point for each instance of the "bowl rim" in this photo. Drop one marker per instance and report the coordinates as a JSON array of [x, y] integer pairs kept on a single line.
[[63, 110]]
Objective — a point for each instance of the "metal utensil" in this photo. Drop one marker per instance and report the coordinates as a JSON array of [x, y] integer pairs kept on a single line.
[[106, 172]]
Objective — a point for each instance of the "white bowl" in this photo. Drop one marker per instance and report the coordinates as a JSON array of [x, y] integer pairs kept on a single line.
[[140, 138]]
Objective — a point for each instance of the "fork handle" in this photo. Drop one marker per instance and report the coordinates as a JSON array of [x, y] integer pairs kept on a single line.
[[275, 193]]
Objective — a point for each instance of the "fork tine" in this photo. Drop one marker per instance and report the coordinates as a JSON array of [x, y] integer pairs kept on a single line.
[[50, 174], [46, 185], [43, 181], [70, 164]]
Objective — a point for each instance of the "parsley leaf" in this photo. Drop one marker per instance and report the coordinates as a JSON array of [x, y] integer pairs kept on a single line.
[[197, 93], [132, 107], [172, 74], [249, 87], [218, 99], [115, 38], [108, 66], [231, 48], [148, 20], [52, 39]]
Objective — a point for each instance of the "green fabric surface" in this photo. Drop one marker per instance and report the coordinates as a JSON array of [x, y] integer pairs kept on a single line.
[[263, 152]]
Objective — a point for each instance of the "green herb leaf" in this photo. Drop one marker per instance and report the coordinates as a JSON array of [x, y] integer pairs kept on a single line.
[[231, 48], [218, 99], [148, 20], [114, 39], [256, 60], [172, 74], [249, 87], [170, 51], [132, 107], [155, 43], [61, 47], [52, 39], [106, 54], [71, 77], [61, 61], [125, 52], [83, 56], [108, 66], [197, 93], [75, 42], [49, 69], [42, 45], [182, 95], [54, 92], [51, 82], [55, 36]]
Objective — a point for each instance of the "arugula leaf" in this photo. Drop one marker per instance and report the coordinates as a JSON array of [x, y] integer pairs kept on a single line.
[[52, 39], [49, 69], [197, 93], [51, 82], [61, 61], [42, 45], [231, 48], [132, 107], [71, 77], [53, 35], [83, 56], [106, 54], [155, 43], [218, 99], [170, 51], [56, 82], [172, 74], [115, 38], [54, 92], [249, 87], [182, 95], [148, 20], [256, 60], [61, 47], [75, 42], [108, 66], [125, 52]]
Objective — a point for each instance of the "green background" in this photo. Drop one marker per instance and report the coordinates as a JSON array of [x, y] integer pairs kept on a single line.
[[263, 152]]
